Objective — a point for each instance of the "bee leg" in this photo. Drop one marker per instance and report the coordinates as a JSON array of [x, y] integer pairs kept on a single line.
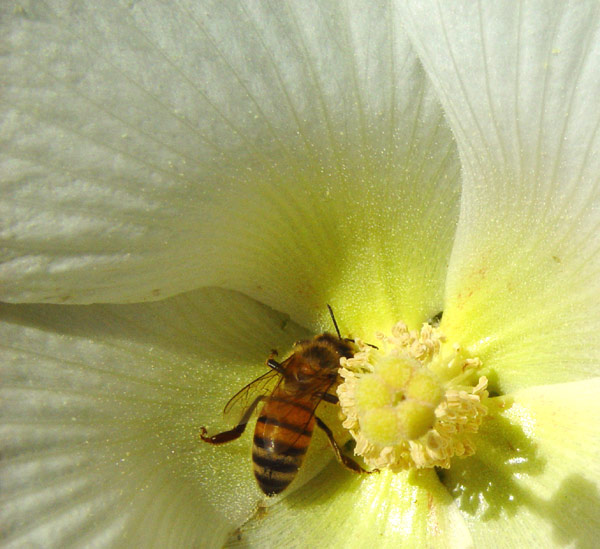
[[272, 363], [328, 397], [236, 432], [347, 462], [436, 319]]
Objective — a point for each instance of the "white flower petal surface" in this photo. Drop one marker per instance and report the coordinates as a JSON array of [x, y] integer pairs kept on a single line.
[[278, 149], [101, 414], [341, 509], [535, 479], [520, 81]]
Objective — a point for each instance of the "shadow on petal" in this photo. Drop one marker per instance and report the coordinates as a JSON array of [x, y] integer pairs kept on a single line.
[[491, 485], [579, 497], [484, 484]]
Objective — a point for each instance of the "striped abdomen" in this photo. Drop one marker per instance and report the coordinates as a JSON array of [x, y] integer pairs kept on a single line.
[[281, 438]]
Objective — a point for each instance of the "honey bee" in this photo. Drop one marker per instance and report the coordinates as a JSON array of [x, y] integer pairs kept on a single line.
[[286, 421]]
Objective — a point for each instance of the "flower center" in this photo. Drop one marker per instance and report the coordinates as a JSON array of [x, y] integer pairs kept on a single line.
[[415, 401]]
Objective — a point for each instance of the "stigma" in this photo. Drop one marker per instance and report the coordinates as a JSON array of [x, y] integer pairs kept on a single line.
[[414, 401]]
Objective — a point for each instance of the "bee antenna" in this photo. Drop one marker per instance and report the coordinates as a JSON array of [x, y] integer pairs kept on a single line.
[[334, 322]]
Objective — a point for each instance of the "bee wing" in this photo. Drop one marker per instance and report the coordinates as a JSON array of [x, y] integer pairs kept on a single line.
[[261, 386], [316, 399]]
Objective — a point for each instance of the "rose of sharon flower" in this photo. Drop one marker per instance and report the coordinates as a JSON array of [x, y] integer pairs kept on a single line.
[[186, 185]]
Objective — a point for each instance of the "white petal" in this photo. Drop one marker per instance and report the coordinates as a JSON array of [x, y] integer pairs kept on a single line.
[[520, 85], [151, 148], [341, 509], [101, 411], [535, 479]]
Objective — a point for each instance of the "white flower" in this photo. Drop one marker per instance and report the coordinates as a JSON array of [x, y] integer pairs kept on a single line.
[[210, 175]]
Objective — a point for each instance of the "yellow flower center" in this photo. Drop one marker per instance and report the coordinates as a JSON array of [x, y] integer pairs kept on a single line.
[[415, 401]]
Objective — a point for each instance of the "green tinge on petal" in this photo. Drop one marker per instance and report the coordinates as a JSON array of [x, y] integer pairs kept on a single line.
[[532, 319], [534, 481], [519, 83], [341, 509], [102, 408], [295, 153]]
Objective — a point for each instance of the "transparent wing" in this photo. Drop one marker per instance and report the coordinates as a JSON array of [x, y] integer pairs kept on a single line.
[[261, 386], [311, 397]]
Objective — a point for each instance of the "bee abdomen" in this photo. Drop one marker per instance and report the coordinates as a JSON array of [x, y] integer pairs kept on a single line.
[[274, 472], [279, 449]]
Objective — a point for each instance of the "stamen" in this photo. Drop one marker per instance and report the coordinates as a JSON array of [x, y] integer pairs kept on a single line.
[[401, 407]]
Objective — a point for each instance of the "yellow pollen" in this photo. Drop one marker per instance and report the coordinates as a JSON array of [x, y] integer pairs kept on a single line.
[[415, 419], [401, 413], [380, 425], [372, 392], [396, 371], [425, 387]]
